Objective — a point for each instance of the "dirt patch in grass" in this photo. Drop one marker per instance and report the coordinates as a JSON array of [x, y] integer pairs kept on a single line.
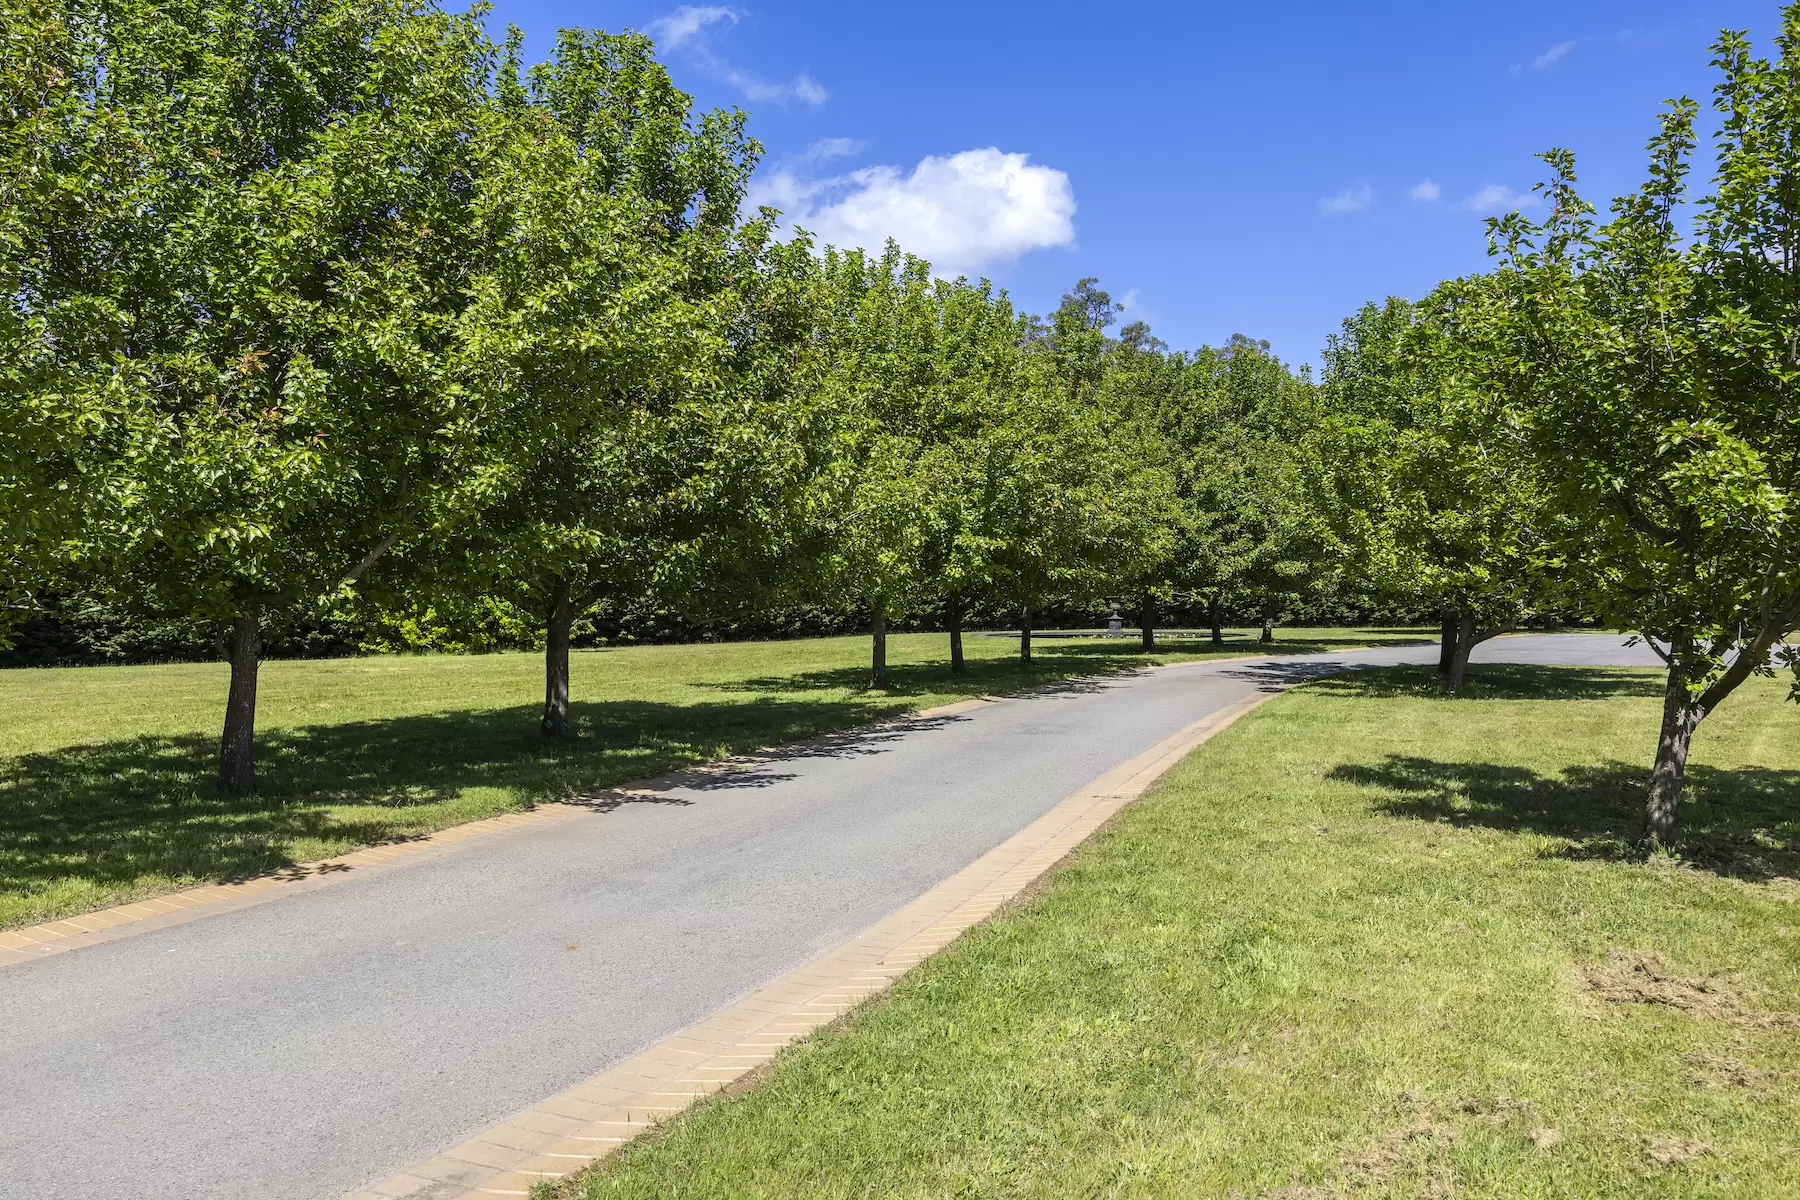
[[1640, 977], [1411, 1149], [1719, 1071], [1668, 1151], [1413, 1152]]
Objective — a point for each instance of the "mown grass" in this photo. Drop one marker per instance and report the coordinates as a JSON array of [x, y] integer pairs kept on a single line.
[[1368, 942], [106, 773]]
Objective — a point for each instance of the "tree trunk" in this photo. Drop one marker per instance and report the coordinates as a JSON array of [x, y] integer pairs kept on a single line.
[[1680, 717], [1447, 647], [954, 616], [1459, 652], [878, 671], [1468, 636], [556, 661], [1025, 635], [1682, 713], [1147, 618], [1217, 621], [1268, 624], [237, 748]]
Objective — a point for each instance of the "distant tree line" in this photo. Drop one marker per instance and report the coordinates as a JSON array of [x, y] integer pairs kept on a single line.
[[331, 326]]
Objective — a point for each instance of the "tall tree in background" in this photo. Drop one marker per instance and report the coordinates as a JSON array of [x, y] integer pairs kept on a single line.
[[1066, 507], [1145, 394], [1434, 500], [878, 332], [978, 370], [1262, 540], [51, 191]]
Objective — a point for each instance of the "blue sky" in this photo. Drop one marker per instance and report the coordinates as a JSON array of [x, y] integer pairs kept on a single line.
[[1228, 168]]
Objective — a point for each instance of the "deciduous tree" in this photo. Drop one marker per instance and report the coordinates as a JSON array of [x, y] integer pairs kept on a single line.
[[1653, 375]]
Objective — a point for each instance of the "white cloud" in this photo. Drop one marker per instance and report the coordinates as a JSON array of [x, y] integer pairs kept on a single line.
[[1552, 56], [1351, 199], [1498, 198], [1426, 189], [962, 212], [802, 87], [828, 148], [687, 30], [687, 23]]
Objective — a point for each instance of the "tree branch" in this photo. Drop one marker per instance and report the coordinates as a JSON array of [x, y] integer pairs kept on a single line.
[[369, 559], [1751, 657], [1634, 517]]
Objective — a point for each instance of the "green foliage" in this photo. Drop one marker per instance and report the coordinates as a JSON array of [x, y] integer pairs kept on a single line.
[[608, 289], [1436, 502], [1230, 427], [332, 320], [1608, 420]]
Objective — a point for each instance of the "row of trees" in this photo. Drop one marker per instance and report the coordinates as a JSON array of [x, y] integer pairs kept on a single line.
[[336, 295]]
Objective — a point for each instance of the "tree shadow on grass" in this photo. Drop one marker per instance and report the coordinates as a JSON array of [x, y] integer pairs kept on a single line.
[[1056, 666], [1498, 681], [1061, 668], [1742, 822], [117, 812]]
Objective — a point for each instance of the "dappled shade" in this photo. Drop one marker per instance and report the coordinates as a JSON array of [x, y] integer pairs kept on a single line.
[[118, 811], [1507, 681], [1744, 822]]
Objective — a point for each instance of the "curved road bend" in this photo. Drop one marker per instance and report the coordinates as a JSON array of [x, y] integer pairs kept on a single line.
[[300, 1048]]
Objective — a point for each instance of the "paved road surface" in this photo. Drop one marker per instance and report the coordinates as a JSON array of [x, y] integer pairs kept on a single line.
[[303, 1047]]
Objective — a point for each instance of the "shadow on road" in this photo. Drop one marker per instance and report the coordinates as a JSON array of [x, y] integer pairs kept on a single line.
[[751, 770], [115, 812], [1279, 676]]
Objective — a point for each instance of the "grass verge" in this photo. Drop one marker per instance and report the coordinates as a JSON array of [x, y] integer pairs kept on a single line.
[[106, 773], [1369, 942]]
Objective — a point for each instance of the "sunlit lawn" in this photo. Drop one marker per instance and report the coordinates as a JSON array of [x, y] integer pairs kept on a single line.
[[106, 773], [1369, 942]]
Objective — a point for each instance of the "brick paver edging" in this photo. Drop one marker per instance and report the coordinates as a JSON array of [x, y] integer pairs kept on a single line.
[[586, 1122]]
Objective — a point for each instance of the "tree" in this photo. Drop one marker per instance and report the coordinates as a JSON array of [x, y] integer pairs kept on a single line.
[[1145, 390], [1256, 537], [1435, 503], [45, 486], [978, 370], [607, 287], [259, 318], [1652, 376], [1065, 503], [877, 333]]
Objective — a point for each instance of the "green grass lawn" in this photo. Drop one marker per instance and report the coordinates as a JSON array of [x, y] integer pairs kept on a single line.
[[1368, 942], [106, 773]]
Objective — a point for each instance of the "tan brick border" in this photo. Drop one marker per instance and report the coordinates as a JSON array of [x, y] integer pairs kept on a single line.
[[587, 1122]]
